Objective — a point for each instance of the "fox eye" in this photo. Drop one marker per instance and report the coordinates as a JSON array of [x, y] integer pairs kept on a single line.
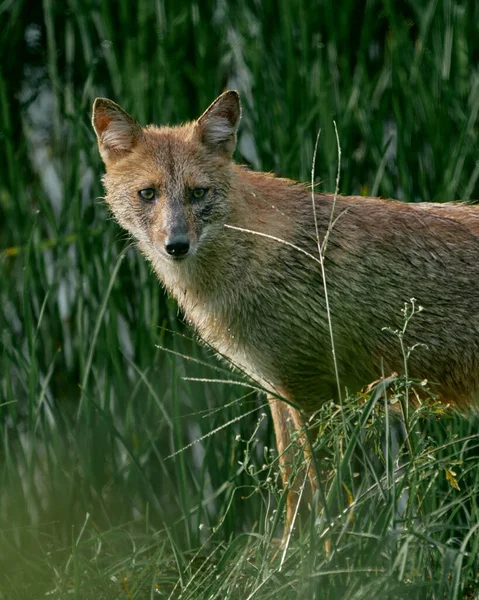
[[148, 194], [198, 193]]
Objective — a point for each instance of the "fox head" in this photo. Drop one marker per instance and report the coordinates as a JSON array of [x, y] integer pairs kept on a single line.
[[168, 186]]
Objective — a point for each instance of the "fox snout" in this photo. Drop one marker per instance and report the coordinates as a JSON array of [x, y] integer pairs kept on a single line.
[[172, 230], [177, 244]]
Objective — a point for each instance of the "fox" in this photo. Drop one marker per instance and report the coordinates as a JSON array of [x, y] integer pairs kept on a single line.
[[238, 250]]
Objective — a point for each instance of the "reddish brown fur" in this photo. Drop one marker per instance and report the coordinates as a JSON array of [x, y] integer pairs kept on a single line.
[[260, 302]]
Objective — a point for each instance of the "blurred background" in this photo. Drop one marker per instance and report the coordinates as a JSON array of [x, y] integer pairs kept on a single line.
[[93, 355]]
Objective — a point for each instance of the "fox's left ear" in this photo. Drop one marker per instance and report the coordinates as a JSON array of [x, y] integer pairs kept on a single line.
[[217, 126]]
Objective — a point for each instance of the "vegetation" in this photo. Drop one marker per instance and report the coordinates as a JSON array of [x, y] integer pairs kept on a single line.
[[122, 475]]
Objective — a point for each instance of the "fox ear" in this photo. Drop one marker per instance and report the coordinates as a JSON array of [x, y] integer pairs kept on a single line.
[[217, 126], [117, 132]]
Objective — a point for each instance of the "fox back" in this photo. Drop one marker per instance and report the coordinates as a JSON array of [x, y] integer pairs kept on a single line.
[[239, 252]]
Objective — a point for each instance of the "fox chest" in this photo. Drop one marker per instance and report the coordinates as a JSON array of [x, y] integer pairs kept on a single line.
[[263, 353], [237, 337]]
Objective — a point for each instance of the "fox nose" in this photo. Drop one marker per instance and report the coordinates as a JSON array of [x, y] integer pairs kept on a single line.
[[177, 245]]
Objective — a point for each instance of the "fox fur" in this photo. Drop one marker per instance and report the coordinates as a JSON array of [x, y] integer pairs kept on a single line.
[[251, 284]]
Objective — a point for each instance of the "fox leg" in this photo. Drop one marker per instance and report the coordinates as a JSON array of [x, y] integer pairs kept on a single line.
[[294, 460]]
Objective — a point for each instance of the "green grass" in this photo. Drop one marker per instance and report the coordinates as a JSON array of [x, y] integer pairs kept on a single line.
[[93, 358]]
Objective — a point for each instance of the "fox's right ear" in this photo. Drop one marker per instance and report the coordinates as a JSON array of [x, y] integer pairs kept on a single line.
[[117, 132]]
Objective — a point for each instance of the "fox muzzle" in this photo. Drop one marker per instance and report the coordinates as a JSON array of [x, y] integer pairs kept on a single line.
[[177, 245]]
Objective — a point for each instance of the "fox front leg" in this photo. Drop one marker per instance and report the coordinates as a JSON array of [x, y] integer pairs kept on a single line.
[[295, 462]]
